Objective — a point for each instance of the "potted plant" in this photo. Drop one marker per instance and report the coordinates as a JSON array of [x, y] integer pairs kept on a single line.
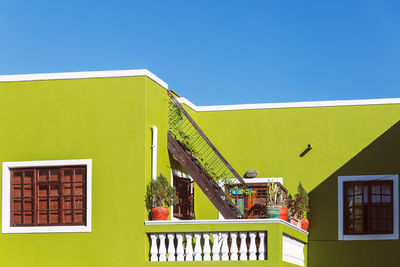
[[159, 196], [276, 201], [298, 207]]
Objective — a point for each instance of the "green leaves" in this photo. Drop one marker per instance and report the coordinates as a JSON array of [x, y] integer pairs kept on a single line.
[[275, 194], [299, 204], [160, 193]]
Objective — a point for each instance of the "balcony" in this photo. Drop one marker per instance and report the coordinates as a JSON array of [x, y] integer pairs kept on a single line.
[[270, 242]]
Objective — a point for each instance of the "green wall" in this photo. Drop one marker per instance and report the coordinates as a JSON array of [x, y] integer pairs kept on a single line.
[[98, 119], [346, 140]]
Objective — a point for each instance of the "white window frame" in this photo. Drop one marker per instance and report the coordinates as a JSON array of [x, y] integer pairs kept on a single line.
[[7, 166], [390, 177]]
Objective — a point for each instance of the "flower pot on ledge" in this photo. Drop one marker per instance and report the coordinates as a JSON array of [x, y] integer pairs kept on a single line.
[[159, 213], [273, 211], [284, 213], [304, 223]]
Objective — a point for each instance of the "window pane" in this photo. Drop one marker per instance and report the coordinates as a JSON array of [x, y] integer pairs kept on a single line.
[[55, 174], [67, 177], [17, 178], [67, 203], [28, 205], [386, 199], [53, 204], [78, 189], [67, 216], [28, 177], [43, 175], [54, 190], [376, 198], [16, 205], [374, 212], [78, 203], [28, 190], [349, 189], [43, 217], [358, 199], [80, 175], [67, 189], [358, 226], [78, 216], [28, 217], [16, 191], [376, 188], [54, 217], [357, 189], [17, 218], [386, 188], [365, 195], [43, 204], [43, 191]]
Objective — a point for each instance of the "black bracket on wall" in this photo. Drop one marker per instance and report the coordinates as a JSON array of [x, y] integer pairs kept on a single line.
[[309, 147]]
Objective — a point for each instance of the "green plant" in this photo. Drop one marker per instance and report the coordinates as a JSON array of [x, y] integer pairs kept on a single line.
[[298, 205], [276, 196], [160, 193]]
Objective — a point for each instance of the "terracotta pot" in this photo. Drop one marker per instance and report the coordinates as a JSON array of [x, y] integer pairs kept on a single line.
[[295, 222], [159, 213], [304, 224], [283, 213], [273, 211]]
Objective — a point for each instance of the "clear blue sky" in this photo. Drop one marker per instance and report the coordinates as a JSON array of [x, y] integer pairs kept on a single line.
[[215, 52]]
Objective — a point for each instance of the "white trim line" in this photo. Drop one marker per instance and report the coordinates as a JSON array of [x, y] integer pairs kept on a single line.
[[395, 179], [83, 75], [309, 104], [6, 228], [230, 221]]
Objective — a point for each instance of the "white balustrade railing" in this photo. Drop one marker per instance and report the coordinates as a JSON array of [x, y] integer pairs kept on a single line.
[[226, 246], [292, 250]]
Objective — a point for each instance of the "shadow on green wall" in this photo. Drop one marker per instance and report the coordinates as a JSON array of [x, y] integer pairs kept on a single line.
[[379, 157]]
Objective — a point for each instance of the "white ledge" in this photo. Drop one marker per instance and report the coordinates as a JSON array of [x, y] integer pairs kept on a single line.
[[83, 75], [309, 104], [230, 221]]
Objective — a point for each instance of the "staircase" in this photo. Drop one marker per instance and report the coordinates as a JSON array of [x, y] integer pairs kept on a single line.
[[199, 157]]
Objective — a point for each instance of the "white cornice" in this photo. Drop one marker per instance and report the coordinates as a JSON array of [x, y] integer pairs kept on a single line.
[[83, 75], [310, 104]]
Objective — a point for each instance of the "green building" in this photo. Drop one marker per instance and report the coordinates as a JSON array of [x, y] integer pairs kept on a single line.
[[79, 149]]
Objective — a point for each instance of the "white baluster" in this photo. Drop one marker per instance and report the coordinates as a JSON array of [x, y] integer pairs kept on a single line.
[[162, 250], [179, 247], [253, 248], [243, 246], [189, 248], [261, 247], [206, 248], [153, 249], [234, 248], [171, 247], [224, 247], [197, 247], [215, 248]]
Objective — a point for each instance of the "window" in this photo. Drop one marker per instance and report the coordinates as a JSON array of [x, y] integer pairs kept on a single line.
[[257, 198], [255, 204], [368, 207], [47, 196], [183, 184]]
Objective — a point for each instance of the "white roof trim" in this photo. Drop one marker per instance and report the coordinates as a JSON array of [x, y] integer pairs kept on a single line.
[[83, 75], [310, 104]]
